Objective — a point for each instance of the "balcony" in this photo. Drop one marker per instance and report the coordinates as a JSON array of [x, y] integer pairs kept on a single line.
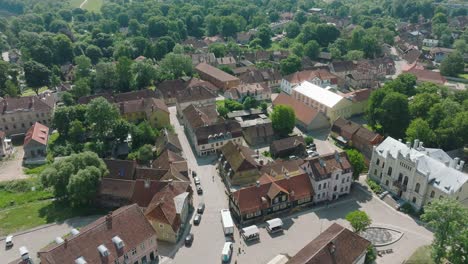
[[399, 185]]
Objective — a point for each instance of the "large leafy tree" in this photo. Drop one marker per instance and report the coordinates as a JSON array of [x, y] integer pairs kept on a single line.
[[36, 75], [290, 65], [357, 162], [359, 220], [420, 129], [124, 73], [75, 178], [283, 119], [174, 66], [102, 117], [452, 65], [448, 218]]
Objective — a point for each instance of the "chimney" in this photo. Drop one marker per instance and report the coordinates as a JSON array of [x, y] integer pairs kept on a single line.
[[408, 144], [170, 182], [416, 143], [421, 145], [65, 242], [109, 220], [461, 165], [454, 162], [147, 183], [257, 183], [399, 140]]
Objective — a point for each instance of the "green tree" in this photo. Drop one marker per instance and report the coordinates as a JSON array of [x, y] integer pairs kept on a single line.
[[452, 65], [144, 74], [106, 76], [357, 162], [94, 53], [461, 46], [420, 129], [359, 220], [145, 153], [81, 88], [102, 116], [175, 66], [264, 33], [308, 140], [283, 119], [63, 49], [292, 29], [422, 103], [312, 49], [143, 134], [36, 75], [124, 73], [448, 219], [83, 66], [219, 49], [290, 65], [229, 26], [77, 131], [157, 26], [394, 116], [354, 55]]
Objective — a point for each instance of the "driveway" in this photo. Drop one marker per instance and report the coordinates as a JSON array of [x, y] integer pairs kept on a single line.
[[37, 238], [301, 227], [12, 168]]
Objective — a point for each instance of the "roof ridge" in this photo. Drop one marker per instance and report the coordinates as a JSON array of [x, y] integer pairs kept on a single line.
[[334, 237]]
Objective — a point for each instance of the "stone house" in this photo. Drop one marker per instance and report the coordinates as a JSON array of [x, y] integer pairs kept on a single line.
[[35, 144], [269, 77], [322, 78], [199, 95], [259, 92], [226, 61], [216, 76], [153, 110], [285, 147]]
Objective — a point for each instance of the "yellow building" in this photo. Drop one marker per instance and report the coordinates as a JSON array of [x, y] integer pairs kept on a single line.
[[153, 110]]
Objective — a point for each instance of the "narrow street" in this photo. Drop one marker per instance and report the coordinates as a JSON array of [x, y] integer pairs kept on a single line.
[[210, 231]]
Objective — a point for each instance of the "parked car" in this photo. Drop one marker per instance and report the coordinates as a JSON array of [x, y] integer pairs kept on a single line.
[[382, 195], [197, 219], [196, 180], [189, 240], [201, 208], [227, 252], [292, 157], [199, 189], [9, 241]]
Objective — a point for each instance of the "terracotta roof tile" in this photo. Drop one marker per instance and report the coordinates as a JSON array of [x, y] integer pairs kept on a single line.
[[117, 188], [345, 128], [324, 165], [222, 128], [345, 245], [38, 133], [240, 158], [287, 143], [28, 103], [215, 72], [121, 169], [195, 93], [129, 223], [304, 113]]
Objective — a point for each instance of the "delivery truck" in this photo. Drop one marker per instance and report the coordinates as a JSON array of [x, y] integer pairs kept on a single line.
[[228, 224]]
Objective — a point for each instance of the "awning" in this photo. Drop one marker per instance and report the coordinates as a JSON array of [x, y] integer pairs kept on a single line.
[[274, 222], [250, 230]]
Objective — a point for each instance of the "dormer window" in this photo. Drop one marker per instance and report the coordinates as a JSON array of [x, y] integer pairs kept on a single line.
[[80, 260], [118, 242]]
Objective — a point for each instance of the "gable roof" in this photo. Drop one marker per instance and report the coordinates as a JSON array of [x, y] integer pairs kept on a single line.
[[120, 169], [117, 188], [220, 129], [324, 165], [215, 72], [301, 76], [38, 133], [167, 158], [195, 93], [142, 105], [199, 116], [240, 158], [319, 94], [168, 138], [427, 76], [287, 143], [26, 103], [253, 198], [304, 113], [127, 222], [345, 128], [278, 169], [346, 246]]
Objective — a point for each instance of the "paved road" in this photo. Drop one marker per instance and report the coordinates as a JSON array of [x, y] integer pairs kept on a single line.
[[35, 240], [12, 168], [209, 237], [301, 228]]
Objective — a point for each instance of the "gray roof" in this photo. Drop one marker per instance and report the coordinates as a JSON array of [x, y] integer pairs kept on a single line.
[[429, 162]]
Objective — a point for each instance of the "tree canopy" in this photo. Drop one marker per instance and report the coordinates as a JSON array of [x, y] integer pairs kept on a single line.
[[283, 119]]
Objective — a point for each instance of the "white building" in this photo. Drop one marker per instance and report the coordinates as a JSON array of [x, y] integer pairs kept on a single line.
[[417, 174], [333, 105], [331, 175], [322, 78]]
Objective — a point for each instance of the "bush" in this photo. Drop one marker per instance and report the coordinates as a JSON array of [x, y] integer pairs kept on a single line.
[[308, 140], [375, 187], [407, 208]]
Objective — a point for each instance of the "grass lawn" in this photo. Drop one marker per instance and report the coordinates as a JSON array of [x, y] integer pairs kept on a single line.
[[29, 91], [35, 170], [220, 103], [39, 213], [93, 5], [464, 76], [421, 255], [75, 3], [20, 198]]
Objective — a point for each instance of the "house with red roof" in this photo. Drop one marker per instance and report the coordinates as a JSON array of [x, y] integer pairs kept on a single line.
[[35, 144], [423, 75], [270, 196]]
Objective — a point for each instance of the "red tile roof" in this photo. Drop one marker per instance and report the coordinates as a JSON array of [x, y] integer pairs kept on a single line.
[[345, 128], [301, 76], [428, 76], [336, 245], [359, 95], [323, 166], [254, 198], [121, 169], [117, 188], [129, 223], [38, 132], [31, 103], [304, 113]]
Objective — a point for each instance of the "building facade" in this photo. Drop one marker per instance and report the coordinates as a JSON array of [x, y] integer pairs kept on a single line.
[[6, 148], [216, 76], [35, 144], [331, 176], [417, 174]]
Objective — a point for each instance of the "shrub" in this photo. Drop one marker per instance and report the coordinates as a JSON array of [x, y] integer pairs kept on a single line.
[[308, 140], [407, 208], [375, 187]]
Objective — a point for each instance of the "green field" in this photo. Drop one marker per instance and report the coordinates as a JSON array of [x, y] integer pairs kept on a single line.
[[93, 5], [464, 76], [19, 198], [39, 213], [75, 3], [421, 255]]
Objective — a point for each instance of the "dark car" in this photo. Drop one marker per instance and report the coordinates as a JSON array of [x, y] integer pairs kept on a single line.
[[199, 189], [189, 239], [194, 173], [201, 208], [197, 219]]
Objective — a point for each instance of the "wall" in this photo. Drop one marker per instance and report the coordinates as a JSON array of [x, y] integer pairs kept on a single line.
[[20, 122], [164, 231]]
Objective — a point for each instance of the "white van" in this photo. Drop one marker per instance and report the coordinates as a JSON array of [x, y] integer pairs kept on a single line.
[[274, 225], [250, 233], [227, 252], [9, 241]]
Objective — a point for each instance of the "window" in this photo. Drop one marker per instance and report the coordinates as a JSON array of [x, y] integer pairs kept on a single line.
[[389, 172], [318, 196], [400, 177], [320, 187], [378, 162], [414, 200], [341, 189], [432, 194], [346, 188], [283, 198], [337, 176], [349, 178], [142, 246], [275, 200], [386, 182], [416, 189], [116, 261], [335, 188], [134, 252], [405, 182], [342, 180], [324, 185], [375, 172]]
